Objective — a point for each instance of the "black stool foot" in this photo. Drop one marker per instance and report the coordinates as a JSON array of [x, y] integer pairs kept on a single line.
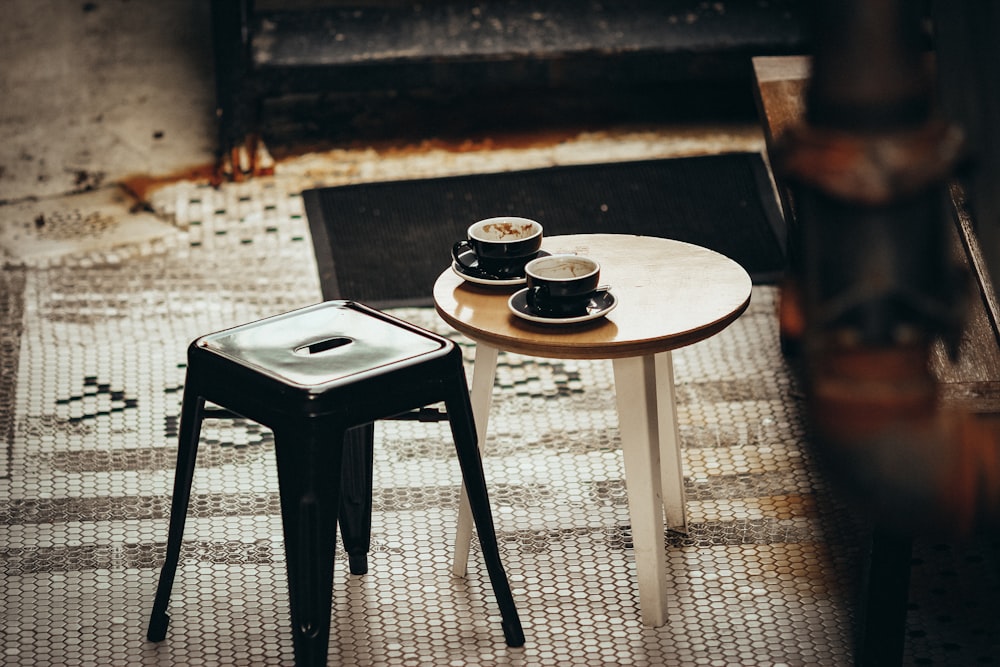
[[358, 563], [513, 633], [158, 623]]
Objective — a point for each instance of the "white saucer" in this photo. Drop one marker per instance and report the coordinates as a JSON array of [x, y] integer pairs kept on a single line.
[[465, 274], [599, 306]]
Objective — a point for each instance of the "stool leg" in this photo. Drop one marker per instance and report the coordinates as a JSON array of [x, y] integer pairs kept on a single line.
[[463, 430], [309, 473], [192, 406], [356, 495]]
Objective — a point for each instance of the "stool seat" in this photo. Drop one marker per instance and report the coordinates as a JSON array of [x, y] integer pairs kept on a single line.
[[320, 346], [319, 377]]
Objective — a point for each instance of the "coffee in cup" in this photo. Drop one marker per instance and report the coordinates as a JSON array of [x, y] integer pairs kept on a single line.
[[562, 285], [498, 247]]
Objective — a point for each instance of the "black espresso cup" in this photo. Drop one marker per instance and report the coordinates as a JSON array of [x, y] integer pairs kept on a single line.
[[498, 247], [562, 285]]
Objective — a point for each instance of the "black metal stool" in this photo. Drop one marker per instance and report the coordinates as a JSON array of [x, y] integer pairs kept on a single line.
[[314, 376]]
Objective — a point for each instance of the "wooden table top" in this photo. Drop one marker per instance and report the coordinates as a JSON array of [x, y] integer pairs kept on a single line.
[[670, 294]]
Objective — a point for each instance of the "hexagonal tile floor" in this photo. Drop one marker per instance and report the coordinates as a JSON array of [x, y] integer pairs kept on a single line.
[[90, 386]]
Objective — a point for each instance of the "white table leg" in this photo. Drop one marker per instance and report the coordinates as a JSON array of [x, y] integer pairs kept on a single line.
[[647, 423], [671, 467], [484, 371]]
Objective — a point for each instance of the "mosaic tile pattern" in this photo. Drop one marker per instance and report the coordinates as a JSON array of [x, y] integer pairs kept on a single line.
[[92, 375]]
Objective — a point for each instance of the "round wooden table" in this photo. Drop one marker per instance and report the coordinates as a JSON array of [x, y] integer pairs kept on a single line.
[[670, 294]]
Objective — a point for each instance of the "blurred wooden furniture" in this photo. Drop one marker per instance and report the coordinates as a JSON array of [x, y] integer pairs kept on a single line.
[[971, 380], [972, 377], [671, 294]]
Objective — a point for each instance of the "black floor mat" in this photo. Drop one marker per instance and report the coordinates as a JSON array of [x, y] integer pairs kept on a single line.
[[385, 243]]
